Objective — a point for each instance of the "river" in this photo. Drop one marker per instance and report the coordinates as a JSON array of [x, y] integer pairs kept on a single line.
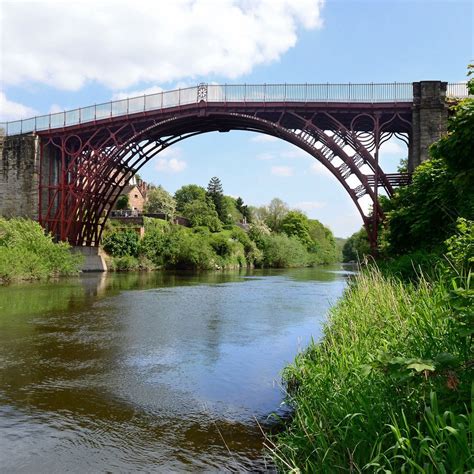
[[152, 372]]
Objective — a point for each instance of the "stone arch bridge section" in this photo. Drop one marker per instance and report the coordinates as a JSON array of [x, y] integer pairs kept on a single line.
[[66, 170]]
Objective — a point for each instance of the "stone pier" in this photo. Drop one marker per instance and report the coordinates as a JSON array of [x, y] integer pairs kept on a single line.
[[429, 119], [93, 259], [19, 176]]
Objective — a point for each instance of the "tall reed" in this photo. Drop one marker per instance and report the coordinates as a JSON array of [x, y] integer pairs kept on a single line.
[[388, 388]]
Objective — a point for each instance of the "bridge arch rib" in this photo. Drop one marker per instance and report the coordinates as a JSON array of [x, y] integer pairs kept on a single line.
[[84, 172]]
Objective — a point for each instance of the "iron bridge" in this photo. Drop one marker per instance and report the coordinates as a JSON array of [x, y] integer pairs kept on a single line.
[[87, 155]]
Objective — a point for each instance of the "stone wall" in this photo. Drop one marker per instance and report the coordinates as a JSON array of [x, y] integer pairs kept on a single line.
[[19, 166], [430, 119]]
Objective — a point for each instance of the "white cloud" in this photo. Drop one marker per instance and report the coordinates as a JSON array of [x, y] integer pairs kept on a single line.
[[319, 169], [265, 156], [282, 170], [10, 110], [309, 205], [121, 43], [168, 160], [264, 139], [172, 165], [137, 93]]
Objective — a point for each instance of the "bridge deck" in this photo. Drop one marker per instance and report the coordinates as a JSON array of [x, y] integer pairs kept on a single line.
[[232, 96]]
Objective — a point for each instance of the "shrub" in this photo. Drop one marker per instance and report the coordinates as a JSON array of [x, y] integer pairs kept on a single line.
[[26, 252], [460, 246], [281, 251], [124, 263], [122, 242], [186, 250]]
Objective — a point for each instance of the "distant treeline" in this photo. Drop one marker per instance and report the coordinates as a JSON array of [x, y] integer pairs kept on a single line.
[[224, 233]]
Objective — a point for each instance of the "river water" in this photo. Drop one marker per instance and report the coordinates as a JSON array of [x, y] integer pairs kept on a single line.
[[152, 372]]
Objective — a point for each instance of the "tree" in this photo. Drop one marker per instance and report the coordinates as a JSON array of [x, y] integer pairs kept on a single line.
[[216, 193], [122, 202], [324, 244], [202, 213], [232, 213], [295, 223], [356, 246], [276, 211], [187, 194], [160, 201], [243, 209]]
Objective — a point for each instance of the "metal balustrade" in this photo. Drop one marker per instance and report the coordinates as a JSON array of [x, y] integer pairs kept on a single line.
[[227, 93]]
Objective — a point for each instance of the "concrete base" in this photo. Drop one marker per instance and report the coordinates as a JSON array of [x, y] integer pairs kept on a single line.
[[93, 260]]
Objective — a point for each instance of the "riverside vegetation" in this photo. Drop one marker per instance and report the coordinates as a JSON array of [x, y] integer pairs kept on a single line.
[[390, 388], [276, 236], [27, 253]]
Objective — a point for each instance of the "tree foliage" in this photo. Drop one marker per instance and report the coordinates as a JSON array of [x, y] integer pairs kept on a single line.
[[202, 213], [187, 194], [122, 202], [243, 209], [356, 247], [123, 242], [323, 242], [216, 193], [272, 214], [295, 223], [160, 201], [214, 241], [423, 215]]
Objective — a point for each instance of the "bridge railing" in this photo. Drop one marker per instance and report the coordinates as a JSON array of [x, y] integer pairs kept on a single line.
[[227, 93]]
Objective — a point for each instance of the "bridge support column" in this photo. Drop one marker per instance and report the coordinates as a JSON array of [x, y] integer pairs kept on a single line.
[[19, 172], [430, 119], [93, 260]]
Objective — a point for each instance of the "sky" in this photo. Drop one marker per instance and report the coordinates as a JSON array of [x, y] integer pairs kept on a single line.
[[57, 55]]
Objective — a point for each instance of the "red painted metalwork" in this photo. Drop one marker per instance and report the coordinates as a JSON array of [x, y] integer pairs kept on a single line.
[[83, 168]]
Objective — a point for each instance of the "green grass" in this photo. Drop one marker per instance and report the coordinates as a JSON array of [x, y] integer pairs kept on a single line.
[[388, 389]]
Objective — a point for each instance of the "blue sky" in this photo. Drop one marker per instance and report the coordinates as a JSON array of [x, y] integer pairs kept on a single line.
[[78, 53]]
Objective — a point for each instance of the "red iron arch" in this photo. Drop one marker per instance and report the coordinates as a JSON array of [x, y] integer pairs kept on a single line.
[[83, 171]]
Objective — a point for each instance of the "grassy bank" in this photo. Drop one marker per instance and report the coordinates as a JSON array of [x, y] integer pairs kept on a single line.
[[388, 389], [27, 253]]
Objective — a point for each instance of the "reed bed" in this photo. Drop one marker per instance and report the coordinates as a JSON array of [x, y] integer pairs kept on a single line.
[[389, 386]]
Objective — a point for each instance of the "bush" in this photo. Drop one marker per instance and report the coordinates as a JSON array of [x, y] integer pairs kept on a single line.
[[124, 263], [153, 243], [26, 252], [281, 251], [121, 243], [460, 247], [253, 255], [183, 249]]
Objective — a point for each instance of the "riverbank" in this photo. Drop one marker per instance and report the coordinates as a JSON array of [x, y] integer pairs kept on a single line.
[[169, 246], [388, 388], [26, 253]]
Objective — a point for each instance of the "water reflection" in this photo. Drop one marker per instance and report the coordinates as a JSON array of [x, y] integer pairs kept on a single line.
[[157, 371]]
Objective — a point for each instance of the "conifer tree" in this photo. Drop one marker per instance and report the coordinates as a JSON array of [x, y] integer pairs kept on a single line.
[[216, 193]]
